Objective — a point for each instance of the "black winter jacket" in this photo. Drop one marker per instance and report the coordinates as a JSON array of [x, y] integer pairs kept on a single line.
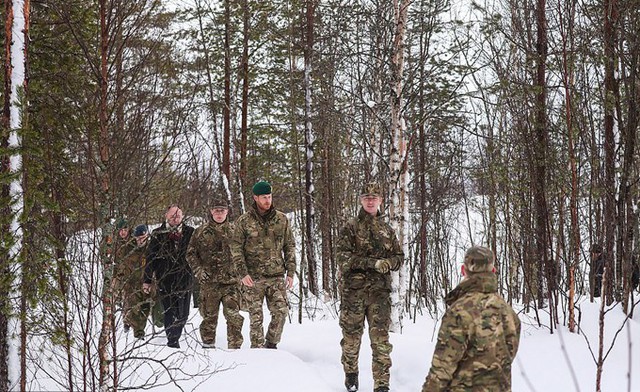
[[167, 259]]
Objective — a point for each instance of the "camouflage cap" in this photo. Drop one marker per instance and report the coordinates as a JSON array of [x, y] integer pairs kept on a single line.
[[371, 189], [478, 259], [219, 203]]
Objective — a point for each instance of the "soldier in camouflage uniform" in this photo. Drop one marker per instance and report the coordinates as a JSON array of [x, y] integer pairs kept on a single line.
[[130, 271], [479, 334], [210, 260], [264, 250], [368, 250]]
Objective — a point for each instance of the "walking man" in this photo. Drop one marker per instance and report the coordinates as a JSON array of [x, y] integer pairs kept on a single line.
[[368, 250], [263, 248], [210, 259], [167, 260], [479, 334], [130, 271]]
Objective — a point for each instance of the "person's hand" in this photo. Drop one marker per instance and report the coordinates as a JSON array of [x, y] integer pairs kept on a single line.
[[247, 281], [289, 281], [146, 287], [383, 266]]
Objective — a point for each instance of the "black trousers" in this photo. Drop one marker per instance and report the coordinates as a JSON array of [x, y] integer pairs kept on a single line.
[[176, 312]]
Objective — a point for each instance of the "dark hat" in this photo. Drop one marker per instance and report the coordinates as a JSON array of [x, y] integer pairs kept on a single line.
[[140, 230], [261, 188], [219, 203], [596, 248], [122, 224], [478, 259], [371, 189]]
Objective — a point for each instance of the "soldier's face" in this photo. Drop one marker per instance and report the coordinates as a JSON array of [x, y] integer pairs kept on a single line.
[[123, 233], [371, 203], [219, 215], [141, 239], [263, 202], [174, 216]]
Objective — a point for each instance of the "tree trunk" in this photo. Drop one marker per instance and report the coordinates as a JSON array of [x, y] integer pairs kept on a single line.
[[309, 140], [226, 109], [5, 260], [398, 170]]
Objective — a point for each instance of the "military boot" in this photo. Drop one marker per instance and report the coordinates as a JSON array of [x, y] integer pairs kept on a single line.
[[268, 344], [383, 388], [351, 382]]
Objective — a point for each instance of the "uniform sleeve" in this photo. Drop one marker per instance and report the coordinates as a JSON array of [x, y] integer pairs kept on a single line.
[[152, 252], [453, 339], [289, 249], [348, 259], [193, 254], [397, 257], [513, 334], [236, 247]]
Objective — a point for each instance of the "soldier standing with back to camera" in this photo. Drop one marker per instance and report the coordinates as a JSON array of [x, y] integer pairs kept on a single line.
[[263, 248], [210, 259], [479, 334], [368, 250]]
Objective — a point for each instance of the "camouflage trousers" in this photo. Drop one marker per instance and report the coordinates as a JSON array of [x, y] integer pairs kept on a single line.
[[137, 306], [274, 291], [211, 296], [374, 306]]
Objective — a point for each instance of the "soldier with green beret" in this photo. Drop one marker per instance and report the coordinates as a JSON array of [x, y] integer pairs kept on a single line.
[[263, 248], [479, 334], [130, 271], [210, 259], [368, 250]]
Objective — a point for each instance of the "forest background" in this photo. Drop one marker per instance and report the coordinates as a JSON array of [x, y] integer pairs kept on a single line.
[[129, 106]]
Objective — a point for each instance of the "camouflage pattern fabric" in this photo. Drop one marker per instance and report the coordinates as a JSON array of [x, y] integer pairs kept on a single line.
[[263, 246], [274, 291], [210, 259], [366, 292], [211, 296], [477, 341], [131, 261], [209, 255]]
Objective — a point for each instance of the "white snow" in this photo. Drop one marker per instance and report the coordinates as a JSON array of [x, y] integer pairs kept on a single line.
[[308, 358]]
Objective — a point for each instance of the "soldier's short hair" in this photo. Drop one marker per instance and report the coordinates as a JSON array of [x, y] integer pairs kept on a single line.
[[478, 259], [596, 248]]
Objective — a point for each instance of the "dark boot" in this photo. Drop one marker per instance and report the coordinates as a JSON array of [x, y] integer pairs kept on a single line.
[[268, 344], [381, 389], [351, 382]]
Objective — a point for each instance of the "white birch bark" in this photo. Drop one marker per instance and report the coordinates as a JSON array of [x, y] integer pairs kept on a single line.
[[398, 172], [15, 162]]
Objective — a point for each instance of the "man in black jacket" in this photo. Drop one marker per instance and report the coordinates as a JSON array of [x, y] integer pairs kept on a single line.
[[166, 258]]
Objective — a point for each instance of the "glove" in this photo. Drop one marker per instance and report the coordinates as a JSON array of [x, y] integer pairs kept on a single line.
[[383, 266]]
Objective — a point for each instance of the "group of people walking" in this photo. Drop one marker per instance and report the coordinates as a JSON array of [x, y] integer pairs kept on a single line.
[[243, 264]]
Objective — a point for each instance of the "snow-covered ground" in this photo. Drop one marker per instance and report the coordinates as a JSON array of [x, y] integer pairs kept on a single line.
[[308, 358]]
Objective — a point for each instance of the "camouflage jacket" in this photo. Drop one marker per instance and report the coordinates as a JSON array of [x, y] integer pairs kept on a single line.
[[477, 341], [130, 263], [209, 255], [263, 246], [364, 240]]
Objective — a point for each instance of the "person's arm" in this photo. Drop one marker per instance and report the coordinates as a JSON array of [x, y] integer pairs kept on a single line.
[[152, 252], [451, 347], [236, 247], [347, 256], [193, 255]]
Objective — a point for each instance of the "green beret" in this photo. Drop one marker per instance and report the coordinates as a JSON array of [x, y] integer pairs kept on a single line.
[[262, 188], [478, 259], [122, 224]]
